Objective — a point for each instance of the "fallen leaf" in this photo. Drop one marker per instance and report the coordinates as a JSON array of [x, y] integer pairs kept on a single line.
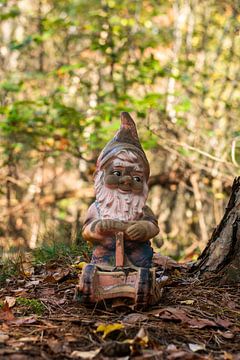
[[200, 323], [55, 345], [177, 314], [171, 347], [180, 354], [108, 328], [80, 265], [223, 322], [170, 313], [10, 300], [60, 274], [26, 265], [134, 318], [32, 283], [187, 302], [88, 355], [227, 356], [29, 339], [196, 347], [226, 334], [165, 261], [20, 292], [56, 276], [6, 313], [47, 293], [24, 320], [142, 337], [149, 354], [3, 337]]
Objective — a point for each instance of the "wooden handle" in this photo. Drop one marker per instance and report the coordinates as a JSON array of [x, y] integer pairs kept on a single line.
[[119, 249]]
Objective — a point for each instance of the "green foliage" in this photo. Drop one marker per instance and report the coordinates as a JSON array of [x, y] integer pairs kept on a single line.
[[8, 268], [69, 67], [31, 305], [60, 252]]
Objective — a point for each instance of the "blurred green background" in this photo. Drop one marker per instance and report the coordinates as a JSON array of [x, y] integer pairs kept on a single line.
[[67, 70]]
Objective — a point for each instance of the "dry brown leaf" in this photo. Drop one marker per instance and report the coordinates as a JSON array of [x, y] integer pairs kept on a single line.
[[223, 322], [226, 334], [32, 283], [199, 323], [227, 356], [170, 313], [60, 274], [20, 292], [6, 313], [56, 276], [24, 320], [134, 318], [178, 314], [88, 355], [142, 337], [3, 337], [165, 261], [29, 339], [26, 265], [55, 345], [196, 347], [149, 354], [10, 300], [179, 354]]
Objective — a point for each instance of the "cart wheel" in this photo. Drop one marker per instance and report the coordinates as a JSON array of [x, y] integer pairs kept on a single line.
[[143, 286], [88, 279]]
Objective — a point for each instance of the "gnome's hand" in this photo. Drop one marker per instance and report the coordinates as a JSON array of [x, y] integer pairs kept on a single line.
[[109, 225], [136, 232]]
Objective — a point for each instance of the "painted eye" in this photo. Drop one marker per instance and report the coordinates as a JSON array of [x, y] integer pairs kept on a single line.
[[117, 173], [137, 178]]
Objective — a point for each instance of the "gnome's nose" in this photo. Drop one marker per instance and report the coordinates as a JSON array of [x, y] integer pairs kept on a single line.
[[127, 180]]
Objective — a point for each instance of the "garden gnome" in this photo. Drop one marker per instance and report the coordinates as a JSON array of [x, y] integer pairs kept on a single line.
[[121, 191]]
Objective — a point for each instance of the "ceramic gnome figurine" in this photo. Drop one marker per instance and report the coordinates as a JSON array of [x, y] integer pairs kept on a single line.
[[121, 192]]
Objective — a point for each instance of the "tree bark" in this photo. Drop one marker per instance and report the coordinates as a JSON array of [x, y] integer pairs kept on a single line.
[[222, 253]]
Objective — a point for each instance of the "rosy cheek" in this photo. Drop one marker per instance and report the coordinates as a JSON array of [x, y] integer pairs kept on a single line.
[[111, 181], [138, 187]]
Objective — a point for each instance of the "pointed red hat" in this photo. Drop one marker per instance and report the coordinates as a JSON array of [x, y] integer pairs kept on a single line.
[[125, 139]]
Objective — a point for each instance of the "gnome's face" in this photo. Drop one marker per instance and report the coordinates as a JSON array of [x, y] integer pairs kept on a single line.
[[122, 174], [121, 187], [125, 176]]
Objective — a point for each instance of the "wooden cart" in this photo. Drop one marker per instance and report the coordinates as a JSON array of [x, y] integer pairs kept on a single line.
[[130, 284]]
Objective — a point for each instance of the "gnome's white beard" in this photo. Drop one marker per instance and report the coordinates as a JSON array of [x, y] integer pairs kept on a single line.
[[116, 205]]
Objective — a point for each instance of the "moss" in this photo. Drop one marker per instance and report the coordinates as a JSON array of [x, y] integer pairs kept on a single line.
[[33, 305]]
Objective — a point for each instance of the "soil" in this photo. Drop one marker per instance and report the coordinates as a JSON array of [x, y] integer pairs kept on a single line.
[[41, 318]]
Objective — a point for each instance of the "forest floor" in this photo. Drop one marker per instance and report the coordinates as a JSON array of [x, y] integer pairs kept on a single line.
[[40, 318]]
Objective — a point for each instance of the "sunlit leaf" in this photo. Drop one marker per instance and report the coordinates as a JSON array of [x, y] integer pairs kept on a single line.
[[107, 329]]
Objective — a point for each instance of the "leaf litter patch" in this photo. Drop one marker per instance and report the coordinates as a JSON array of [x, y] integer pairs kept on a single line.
[[40, 318]]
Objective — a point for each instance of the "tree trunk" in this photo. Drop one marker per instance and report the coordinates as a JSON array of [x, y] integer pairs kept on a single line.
[[222, 253]]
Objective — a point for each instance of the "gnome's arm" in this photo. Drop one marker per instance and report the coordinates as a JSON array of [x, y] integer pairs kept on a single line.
[[89, 232], [97, 230], [144, 229]]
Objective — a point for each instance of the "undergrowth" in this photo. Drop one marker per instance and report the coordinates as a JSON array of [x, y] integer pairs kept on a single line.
[[8, 268], [56, 252], [60, 252]]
